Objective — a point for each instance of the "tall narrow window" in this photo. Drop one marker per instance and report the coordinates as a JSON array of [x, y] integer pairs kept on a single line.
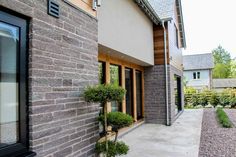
[[13, 117], [139, 94], [129, 91], [194, 75], [198, 75], [115, 79], [176, 36], [101, 72], [178, 94]]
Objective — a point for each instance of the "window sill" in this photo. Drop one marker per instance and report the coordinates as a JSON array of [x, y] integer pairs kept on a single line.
[[28, 154]]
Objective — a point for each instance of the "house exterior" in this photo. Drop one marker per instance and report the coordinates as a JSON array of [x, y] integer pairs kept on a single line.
[[220, 85], [50, 51], [198, 70]]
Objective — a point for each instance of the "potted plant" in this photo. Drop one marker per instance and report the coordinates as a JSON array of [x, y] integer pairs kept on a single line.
[[104, 94]]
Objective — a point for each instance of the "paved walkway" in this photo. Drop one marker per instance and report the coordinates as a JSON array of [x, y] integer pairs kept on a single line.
[[182, 139]]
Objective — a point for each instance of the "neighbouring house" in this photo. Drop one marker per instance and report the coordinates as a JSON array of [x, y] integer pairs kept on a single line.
[[198, 70], [220, 85], [50, 51]]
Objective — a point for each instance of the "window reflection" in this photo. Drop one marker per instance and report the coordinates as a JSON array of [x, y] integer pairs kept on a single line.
[[9, 45]]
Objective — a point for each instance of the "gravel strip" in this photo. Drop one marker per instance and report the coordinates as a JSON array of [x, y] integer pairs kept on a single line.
[[232, 115], [216, 141]]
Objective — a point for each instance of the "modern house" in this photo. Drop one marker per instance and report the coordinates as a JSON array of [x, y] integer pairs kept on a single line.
[[50, 51], [198, 70], [221, 84]]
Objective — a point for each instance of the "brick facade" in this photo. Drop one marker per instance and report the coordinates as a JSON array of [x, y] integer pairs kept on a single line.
[[62, 62], [155, 93]]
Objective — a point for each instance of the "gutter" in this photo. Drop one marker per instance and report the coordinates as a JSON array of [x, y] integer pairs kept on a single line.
[[166, 76], [149, 11]]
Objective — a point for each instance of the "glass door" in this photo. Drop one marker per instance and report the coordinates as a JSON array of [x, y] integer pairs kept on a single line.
[[139, 94], [129, 91], [115, 80], [13, 77]]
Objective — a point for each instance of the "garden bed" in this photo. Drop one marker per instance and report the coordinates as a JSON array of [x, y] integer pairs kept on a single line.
[[215, 140]]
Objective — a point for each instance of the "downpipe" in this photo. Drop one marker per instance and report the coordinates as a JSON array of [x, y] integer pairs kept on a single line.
[[166, 77]]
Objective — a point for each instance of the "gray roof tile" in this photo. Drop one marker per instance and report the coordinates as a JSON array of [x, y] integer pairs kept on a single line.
[[164, 8], [199, 61], [224, 83]]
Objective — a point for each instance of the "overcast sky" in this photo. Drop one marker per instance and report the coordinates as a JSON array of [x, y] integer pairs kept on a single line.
[[209, 23]]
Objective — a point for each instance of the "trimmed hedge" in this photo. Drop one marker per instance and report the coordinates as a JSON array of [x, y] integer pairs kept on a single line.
[[206, 97], [223, 118]]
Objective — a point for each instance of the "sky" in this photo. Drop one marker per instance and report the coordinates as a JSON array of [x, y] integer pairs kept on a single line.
[[209, 23]]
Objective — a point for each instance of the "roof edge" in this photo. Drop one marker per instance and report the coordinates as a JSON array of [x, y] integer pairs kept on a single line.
[[182, 23], [148, 10]]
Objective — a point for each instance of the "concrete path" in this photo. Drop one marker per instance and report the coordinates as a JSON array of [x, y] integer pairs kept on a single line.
[[182, 139]]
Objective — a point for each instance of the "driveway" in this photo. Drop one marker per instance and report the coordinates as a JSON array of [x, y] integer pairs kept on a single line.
[[182, 139]]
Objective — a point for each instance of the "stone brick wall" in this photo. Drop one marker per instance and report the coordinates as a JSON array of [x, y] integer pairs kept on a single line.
[[155, 94], [155, 103], [62, 62], [175, 71]]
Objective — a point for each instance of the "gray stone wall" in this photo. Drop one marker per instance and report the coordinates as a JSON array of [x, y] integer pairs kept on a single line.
[[155, 93], [175, 71], [62, 62]]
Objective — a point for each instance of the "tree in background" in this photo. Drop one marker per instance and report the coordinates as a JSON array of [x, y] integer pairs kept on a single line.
[[233, 68], [222, 60]]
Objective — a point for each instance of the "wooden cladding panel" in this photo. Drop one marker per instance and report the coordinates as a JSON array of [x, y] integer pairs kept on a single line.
[[159, 53], [85, 5], [113, 60], [105, 57]]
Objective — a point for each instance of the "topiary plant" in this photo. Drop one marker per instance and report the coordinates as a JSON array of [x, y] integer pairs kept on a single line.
[[115, 148], [117, 120], [104, 94]]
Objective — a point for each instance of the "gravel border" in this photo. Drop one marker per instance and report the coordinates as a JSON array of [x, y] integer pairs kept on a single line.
[[215, 140]]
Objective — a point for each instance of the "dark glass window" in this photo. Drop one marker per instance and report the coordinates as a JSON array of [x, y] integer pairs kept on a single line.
[[198, 75], [177, 37], [139, 94], [178, 94], [129, 91], [101, 72], [13, 89], [194, 75], [115, 79]]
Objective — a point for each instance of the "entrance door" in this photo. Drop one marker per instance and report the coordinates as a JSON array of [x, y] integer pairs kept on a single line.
[[129, 91], [139, 94], [13, 117]]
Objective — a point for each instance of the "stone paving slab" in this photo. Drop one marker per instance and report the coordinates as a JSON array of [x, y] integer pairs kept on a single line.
[[182, 139]]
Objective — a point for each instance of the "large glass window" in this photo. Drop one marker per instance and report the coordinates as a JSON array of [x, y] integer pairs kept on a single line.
[[13, 117], [139, 94], [129, 91], [9, 106], [115, 79]]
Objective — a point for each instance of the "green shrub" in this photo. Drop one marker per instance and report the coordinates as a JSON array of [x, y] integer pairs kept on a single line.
[[214, 99], [104, 93], [223, 118], [190, 90], [115, 148], [233, 102], [194, 100], [203, 99], [224, 99], [117, 119]]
